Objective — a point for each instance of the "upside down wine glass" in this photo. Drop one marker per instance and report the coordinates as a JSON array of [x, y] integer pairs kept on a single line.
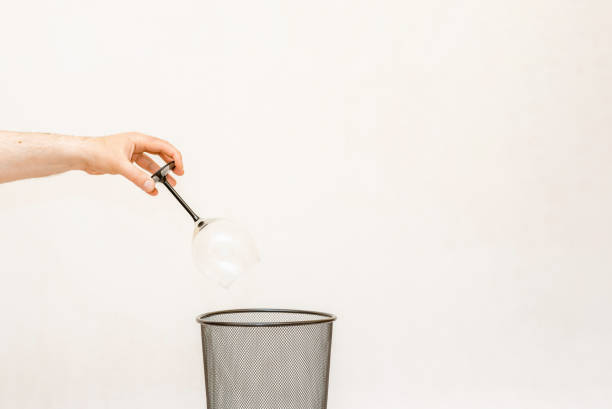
[[221, 248]]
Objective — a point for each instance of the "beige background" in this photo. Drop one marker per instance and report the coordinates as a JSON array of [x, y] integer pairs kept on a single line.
[[437, 173]]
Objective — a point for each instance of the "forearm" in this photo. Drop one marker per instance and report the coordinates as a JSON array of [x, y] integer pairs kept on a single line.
[[30, 155]]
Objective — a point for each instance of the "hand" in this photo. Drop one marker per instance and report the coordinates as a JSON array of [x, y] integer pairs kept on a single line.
[[120, 153]]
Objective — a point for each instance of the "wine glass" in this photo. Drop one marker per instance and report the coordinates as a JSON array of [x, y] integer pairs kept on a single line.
[[221, 248]]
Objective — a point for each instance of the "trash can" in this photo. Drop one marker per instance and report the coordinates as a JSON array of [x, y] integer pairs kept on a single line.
[[266, 358]]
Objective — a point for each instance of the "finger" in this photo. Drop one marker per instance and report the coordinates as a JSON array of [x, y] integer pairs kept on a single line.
[[145, 162], [138, 177], [150, 144], [165, 157], [171, 179]]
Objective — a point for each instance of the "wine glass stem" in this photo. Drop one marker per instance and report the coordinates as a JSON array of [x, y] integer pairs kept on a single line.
[[178, 197]]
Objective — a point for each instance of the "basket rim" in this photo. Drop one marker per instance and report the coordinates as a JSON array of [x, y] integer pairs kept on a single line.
[[325, 317]]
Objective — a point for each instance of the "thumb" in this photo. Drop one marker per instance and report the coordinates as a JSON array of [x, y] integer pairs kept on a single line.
[[138, 177]]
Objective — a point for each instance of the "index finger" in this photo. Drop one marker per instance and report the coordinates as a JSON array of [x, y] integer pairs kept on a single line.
[[150, 144]]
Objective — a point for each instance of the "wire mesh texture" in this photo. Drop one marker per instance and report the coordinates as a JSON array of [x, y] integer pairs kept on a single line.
[[266, 358]]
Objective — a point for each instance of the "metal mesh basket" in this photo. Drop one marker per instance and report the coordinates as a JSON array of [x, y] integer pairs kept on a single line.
[[266, 358]]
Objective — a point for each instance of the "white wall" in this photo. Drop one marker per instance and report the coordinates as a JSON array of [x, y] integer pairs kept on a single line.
[[436, 173]]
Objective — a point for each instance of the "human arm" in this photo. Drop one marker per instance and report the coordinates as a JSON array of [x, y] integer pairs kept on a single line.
[[30, 155]]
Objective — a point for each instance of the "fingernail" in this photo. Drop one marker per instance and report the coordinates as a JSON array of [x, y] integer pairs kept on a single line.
[[149, 185]]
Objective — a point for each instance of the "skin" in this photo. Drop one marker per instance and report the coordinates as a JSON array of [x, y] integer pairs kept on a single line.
[[31, 155]]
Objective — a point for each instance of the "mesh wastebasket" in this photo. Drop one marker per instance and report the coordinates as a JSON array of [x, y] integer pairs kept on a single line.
[[266, 358]]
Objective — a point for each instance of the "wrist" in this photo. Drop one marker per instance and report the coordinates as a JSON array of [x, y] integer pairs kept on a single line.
[[79, 151]]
